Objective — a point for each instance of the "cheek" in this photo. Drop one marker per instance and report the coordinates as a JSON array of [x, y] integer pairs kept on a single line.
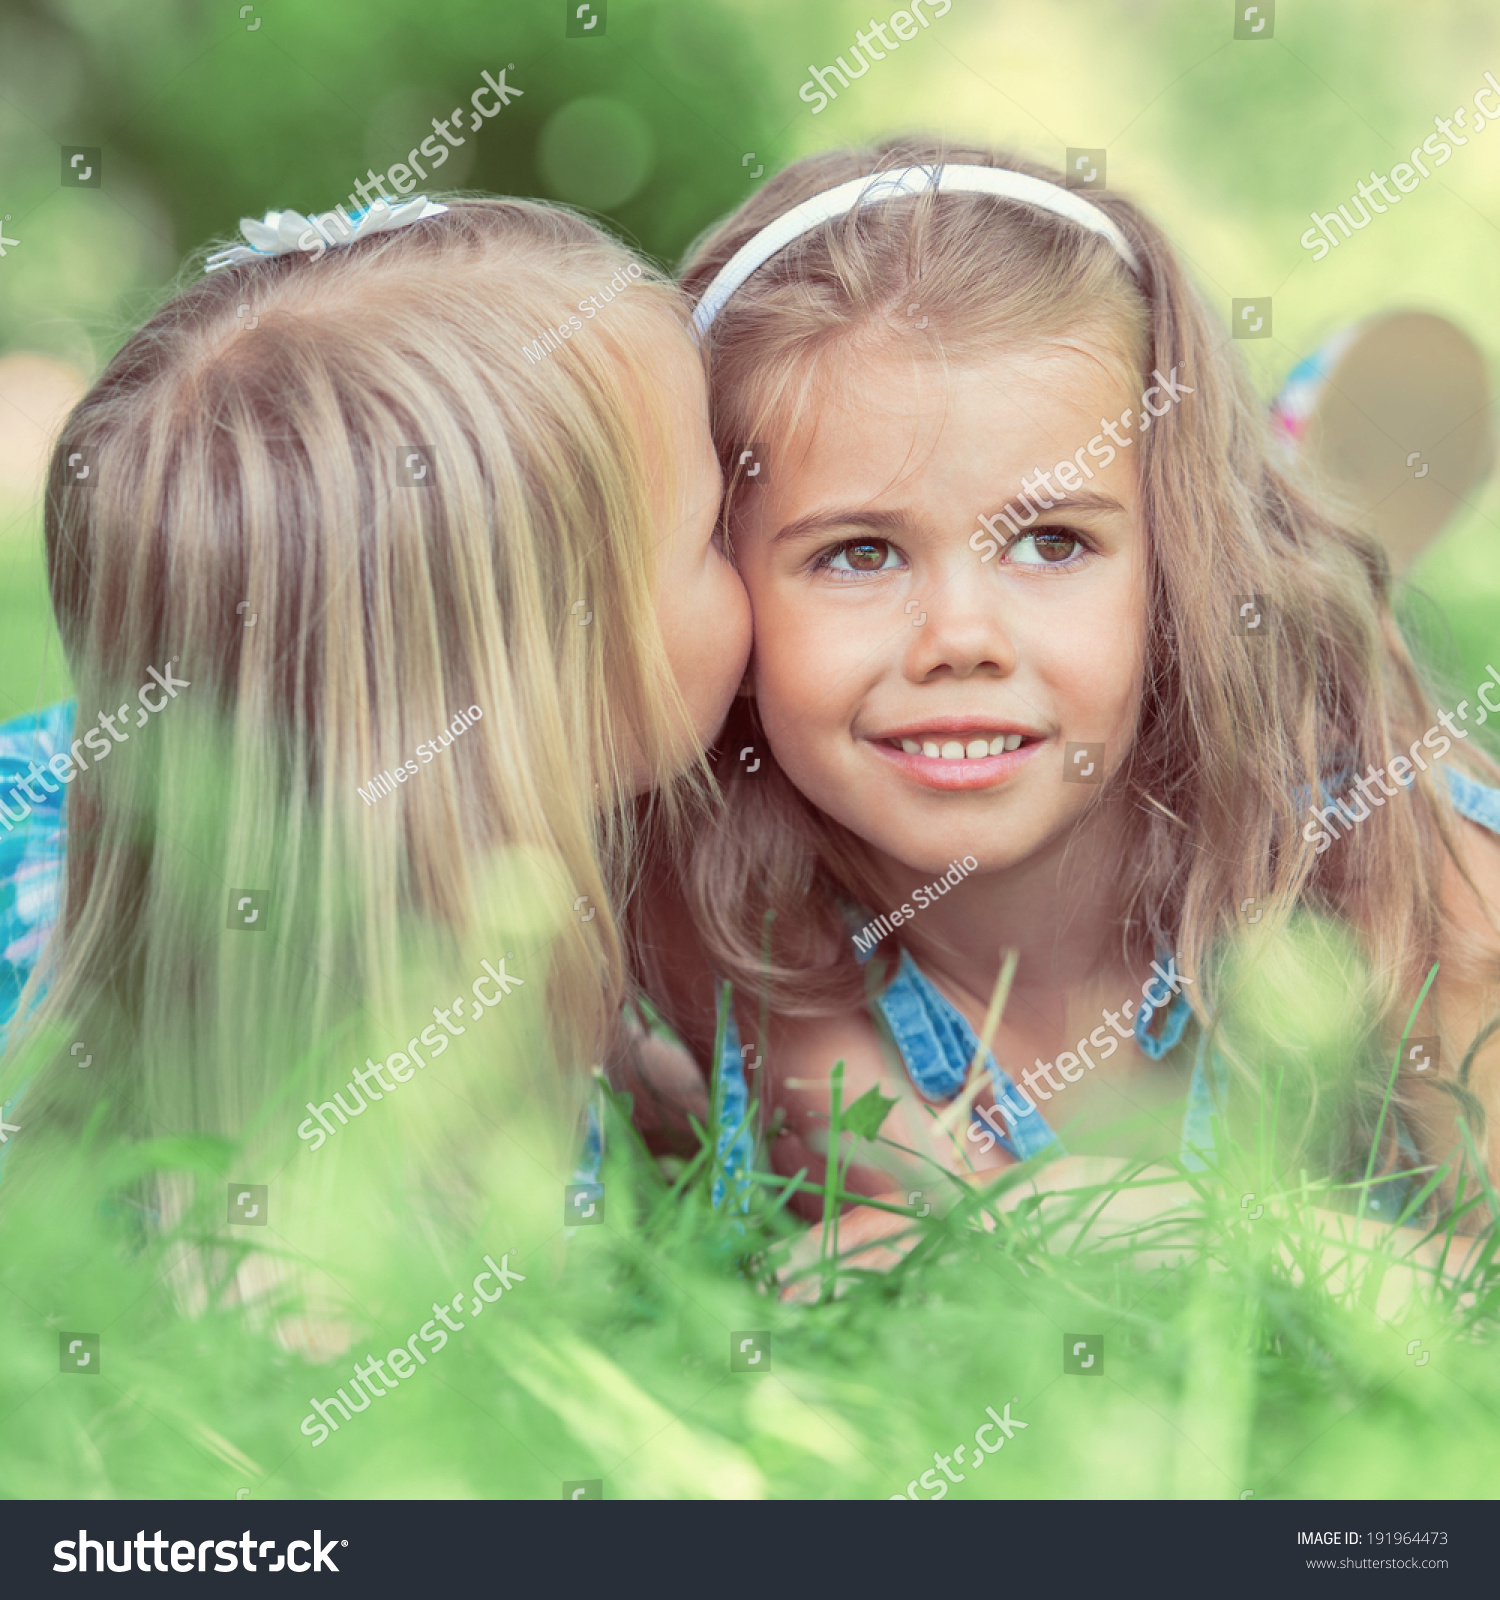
[[801, 657], [1096, 666], [706, 626]]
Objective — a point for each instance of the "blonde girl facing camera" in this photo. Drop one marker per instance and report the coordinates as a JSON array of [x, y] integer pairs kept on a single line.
[[1015, 490], [344, 526]]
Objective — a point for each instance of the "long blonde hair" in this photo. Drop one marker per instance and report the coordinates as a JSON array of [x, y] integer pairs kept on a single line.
[[360, 505], [1233, 736]]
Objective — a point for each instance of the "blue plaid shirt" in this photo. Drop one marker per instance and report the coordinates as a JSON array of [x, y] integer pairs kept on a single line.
[[31, 846]]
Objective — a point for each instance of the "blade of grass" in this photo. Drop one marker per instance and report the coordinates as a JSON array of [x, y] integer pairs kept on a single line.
[[832, 1181], [959, 1108], [1390, 1090]]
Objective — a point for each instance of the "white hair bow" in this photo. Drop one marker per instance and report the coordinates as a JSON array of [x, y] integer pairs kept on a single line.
[[282, 232]]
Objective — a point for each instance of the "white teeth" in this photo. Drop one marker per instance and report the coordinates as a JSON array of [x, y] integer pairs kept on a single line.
[[975, 749]]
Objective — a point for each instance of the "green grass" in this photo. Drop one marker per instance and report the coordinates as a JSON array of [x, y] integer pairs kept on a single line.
[[32, 670], [1236, 1355]]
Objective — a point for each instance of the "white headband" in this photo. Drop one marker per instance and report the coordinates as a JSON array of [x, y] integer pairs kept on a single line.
[[839, 201]]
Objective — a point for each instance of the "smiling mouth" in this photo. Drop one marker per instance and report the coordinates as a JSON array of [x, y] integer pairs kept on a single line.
[[963, 757], [977, 746]]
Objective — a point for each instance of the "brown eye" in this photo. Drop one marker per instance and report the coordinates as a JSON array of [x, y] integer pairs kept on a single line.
[[867, 556], [1056, 546], [860, 557], [1047, 547]]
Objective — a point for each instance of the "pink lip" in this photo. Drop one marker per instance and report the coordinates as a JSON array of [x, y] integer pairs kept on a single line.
[[932, 773], [955, 728]]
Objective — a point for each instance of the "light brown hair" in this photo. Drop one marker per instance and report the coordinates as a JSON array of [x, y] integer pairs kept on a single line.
[[1233, 737]]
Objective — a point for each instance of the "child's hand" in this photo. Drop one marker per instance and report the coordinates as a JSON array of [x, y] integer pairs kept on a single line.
[[869, 1238]]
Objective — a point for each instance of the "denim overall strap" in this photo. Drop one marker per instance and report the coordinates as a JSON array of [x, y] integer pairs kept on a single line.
[[735, 1142], [1474, 800], [1178, 1013], [937, 1044], [1202, 1103], [1390, 1197], [591, 1156], [735, 1145]]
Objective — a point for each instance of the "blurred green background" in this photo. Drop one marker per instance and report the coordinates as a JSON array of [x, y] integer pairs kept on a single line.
[[661, 118]]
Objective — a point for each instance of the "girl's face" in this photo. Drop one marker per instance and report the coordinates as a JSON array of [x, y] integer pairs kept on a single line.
[[936, 704], [700, 600]]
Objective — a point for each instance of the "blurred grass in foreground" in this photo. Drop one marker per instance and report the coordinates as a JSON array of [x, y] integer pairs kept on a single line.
[[1240, 1352]]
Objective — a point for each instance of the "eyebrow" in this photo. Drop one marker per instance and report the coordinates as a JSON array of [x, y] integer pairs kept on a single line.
[[824, 521], [1085, 500], [893, 521]]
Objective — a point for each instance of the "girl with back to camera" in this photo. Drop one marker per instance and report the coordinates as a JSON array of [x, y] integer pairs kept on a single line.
[[274, 465], [1054, 655]]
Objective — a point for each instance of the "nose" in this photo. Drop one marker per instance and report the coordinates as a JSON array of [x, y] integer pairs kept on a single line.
[[965, 633]]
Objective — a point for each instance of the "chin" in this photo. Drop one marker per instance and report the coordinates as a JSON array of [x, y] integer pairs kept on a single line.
[[919, 853]]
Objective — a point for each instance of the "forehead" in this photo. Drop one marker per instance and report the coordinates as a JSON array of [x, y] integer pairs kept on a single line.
[[894, 409]]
